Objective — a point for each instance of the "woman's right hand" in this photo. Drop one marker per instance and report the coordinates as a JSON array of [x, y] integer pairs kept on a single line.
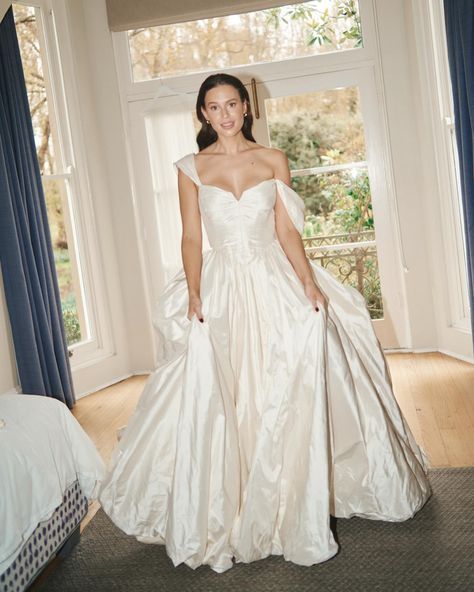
[[195, 307], [315, 295]]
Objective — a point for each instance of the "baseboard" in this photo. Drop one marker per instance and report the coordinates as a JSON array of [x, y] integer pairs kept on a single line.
[[428, 350], [105, 385], [457, 356]]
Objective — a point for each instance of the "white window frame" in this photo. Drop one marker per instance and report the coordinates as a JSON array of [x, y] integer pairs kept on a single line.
[[453, 225], [53, 29], [449, 277], [134, 94], [140, 90], [434, 65]]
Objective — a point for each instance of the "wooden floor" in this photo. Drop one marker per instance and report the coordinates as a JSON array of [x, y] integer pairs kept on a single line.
[[436, 395], [434, 391]]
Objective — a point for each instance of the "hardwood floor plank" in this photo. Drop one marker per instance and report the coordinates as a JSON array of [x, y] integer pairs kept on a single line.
[[402, 370], [459, 443]]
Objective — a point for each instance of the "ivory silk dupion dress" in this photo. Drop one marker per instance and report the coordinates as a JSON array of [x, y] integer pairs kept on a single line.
[[269, 416]]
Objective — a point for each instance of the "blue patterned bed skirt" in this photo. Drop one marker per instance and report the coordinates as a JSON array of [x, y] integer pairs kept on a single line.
[[49, 539]]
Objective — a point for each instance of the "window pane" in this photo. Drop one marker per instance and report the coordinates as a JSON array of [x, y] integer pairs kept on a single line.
[[30, 50], [286, 32], [340, 232], [55, 191], [325, 128], [327, 125]]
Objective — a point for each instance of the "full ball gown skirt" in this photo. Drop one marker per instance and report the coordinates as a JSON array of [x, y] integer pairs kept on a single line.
[[259, 423]]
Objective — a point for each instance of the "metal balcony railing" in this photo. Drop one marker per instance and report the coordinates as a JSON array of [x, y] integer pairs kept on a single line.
[[352, 258]]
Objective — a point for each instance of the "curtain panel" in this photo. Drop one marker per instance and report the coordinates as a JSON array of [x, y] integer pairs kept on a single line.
[[26, 254]]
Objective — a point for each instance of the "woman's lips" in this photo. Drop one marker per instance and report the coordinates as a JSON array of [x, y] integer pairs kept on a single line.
[[227, 125]]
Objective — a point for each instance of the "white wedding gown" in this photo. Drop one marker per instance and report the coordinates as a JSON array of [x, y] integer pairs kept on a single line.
[[259, 423]]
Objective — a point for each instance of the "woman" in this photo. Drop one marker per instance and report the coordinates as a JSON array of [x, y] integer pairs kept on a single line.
[[272, 405]]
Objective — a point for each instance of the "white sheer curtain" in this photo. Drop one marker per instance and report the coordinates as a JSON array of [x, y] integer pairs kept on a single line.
[[170, 135]]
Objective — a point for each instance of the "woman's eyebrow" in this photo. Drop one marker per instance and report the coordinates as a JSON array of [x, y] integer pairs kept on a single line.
[[215, 102]]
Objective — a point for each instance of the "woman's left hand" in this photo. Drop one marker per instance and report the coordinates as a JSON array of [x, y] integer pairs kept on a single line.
[[314, 294]]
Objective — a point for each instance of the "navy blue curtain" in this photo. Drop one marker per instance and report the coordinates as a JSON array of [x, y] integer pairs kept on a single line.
[[459, 19], [26, 254]]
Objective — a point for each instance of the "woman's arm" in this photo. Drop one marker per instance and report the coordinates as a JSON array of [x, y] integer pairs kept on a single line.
[[191, 241], [290, 238]]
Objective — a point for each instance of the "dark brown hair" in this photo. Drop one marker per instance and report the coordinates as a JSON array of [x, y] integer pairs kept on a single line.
[[207, 135]]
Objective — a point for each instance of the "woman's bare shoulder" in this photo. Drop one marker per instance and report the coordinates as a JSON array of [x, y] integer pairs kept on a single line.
[[277, 160], [274, 156]]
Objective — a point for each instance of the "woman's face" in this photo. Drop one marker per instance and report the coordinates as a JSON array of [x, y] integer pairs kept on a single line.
[[224, 109]]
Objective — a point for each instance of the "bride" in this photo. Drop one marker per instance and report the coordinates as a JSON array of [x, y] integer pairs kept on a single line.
[[271, 407]]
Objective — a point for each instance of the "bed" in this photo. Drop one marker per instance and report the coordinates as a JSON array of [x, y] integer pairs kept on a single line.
[[49, 471]]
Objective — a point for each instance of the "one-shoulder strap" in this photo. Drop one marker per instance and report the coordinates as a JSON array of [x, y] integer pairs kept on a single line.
[[187, 165], [293, 203]]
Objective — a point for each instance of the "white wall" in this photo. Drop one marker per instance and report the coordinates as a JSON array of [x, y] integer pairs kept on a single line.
[[102, 122], [402, 116], [424, 20], [4, 6], [420, 169]]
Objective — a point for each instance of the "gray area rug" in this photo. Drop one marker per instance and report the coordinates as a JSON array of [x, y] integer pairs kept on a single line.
[[432, 552]]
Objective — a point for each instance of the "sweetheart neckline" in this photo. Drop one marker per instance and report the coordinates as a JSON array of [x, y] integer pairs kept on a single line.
[[237, 199], [243, 192]]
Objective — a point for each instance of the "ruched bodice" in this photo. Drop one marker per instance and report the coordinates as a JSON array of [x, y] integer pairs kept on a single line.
[[245, 225]]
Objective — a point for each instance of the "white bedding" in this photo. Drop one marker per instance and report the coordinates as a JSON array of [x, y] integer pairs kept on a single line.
[[43, 450]]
